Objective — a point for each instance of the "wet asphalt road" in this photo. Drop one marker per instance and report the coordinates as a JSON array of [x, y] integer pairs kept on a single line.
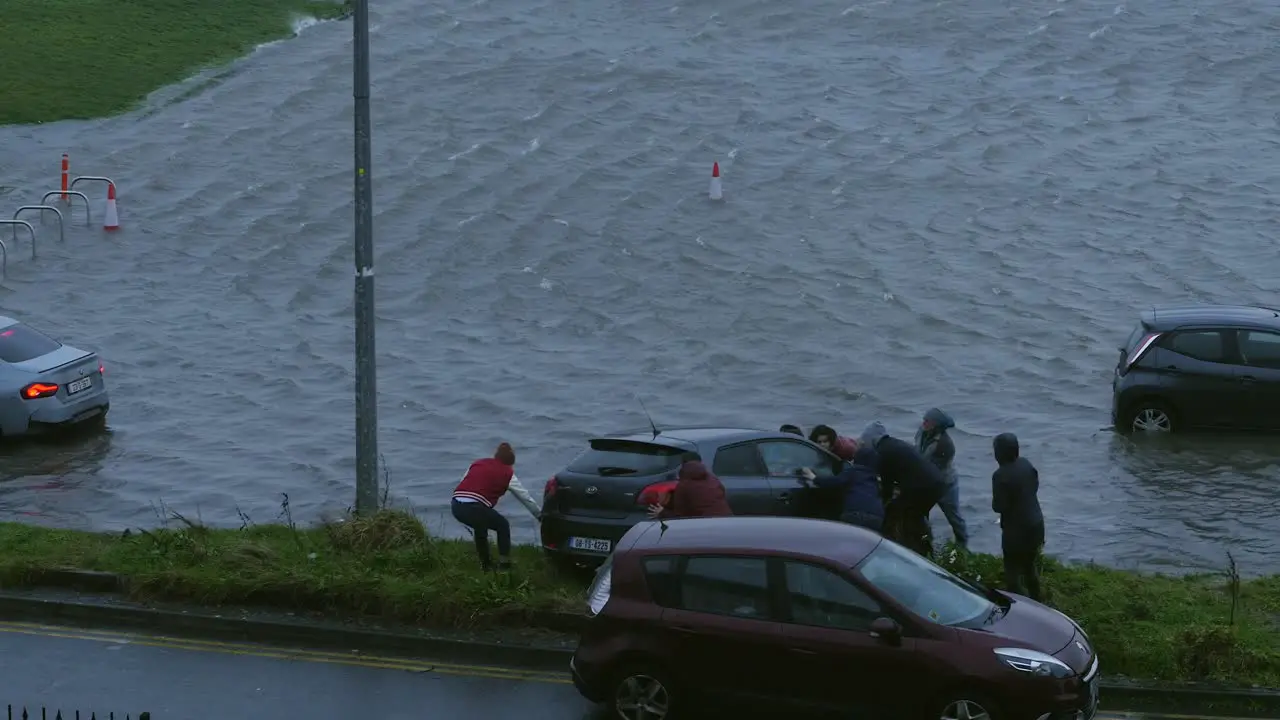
[[179, 679]]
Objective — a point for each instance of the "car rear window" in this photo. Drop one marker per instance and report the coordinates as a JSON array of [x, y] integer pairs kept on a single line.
[[609, 458], [1134, 337], [19, 343]]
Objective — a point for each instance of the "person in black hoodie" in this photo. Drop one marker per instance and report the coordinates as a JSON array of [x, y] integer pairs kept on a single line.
[[1014, 488], [920, 485]]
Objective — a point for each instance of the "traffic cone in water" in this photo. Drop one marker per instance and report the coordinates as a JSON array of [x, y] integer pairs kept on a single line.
[[112, 221], [716, 191]]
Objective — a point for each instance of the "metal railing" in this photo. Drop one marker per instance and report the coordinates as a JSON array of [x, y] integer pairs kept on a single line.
[[70, 193], [62, 230], [4, 260], [27, 225], [97, 178], [23, 714]]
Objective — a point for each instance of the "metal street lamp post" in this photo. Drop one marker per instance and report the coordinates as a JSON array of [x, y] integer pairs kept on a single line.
[[366, 365]]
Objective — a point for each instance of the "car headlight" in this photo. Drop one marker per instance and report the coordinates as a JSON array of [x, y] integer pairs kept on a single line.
[[1034, 662]]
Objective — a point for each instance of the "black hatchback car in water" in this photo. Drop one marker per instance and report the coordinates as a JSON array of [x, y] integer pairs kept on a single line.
[[602, 493], [1200, 366]]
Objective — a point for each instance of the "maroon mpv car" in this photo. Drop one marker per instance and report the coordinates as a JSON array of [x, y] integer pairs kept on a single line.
[[813, 615]]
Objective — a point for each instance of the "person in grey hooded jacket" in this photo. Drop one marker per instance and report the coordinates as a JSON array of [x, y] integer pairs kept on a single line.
[[933, 442]]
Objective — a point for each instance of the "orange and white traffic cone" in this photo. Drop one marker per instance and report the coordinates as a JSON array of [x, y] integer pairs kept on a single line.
[[112, 220]]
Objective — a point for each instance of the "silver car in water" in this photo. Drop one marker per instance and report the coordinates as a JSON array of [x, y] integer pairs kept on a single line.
[[45, 385]]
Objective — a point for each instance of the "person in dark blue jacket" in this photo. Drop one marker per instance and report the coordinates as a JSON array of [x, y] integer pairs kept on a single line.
[[862, 504]]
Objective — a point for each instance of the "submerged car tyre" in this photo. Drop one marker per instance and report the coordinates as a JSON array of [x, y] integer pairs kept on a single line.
[[1150, 416], [643, 692]]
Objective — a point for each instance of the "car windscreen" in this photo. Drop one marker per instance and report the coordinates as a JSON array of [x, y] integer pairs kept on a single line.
[[19, 343], [610, 458], [924, 588]]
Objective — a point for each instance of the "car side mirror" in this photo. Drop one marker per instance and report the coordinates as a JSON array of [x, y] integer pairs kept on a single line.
[[886, 630]]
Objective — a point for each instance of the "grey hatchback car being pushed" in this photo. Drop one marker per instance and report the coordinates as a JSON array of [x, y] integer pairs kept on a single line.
[[588, 506]]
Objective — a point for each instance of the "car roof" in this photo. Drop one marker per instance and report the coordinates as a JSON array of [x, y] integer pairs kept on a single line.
[[1172, 317], [697, 435], [836, 541]]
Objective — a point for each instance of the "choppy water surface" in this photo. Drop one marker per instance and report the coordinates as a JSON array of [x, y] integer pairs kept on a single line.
[[962, 204]]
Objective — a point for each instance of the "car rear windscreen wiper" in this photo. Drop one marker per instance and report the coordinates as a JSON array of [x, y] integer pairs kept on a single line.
[[610, 470]]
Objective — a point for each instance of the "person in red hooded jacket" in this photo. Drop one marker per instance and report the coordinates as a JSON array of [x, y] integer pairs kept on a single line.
[[698, 493], [486, 481]]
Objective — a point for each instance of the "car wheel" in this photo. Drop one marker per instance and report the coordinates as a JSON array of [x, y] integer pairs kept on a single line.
[[967, 706], [643, 692], [1150, 416]]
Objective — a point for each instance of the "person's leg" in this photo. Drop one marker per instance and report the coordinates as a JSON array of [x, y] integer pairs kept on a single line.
[[1032, 570], [473, 516], [1012, 565], [502, 529], [950, 504]]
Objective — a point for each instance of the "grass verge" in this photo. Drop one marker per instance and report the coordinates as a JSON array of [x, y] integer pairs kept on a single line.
[[1206, 628], [1209, 628], [79, 59], [385, 566]]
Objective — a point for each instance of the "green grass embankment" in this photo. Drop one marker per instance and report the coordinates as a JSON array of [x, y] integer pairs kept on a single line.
[[80, 59], [1144, 626]]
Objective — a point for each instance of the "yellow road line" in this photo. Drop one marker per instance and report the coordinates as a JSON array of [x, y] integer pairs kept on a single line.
[[381, 663], [248, 650]]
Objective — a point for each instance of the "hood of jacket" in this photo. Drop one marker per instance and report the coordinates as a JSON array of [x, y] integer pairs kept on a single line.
[[941, 421], [873, 434], [1006, 448], [866, 456], [845, 448], [694, 471]]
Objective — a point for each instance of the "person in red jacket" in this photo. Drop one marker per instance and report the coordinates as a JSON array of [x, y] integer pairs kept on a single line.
[[486, 481], [698, 493]]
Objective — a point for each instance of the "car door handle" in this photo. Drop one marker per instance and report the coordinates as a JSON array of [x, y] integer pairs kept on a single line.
[[684, 629], [802, 651], [784, 497], [1248, 379]]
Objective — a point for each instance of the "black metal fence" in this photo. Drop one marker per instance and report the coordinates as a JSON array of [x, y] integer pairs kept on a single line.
[[47, 714]]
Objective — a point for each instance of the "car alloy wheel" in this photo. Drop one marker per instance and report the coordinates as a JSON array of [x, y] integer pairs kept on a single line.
[[1152, 419], [642, 696], [965, 710]]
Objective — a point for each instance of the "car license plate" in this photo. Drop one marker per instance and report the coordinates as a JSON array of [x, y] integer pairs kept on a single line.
[[76, 386], [590, 544]]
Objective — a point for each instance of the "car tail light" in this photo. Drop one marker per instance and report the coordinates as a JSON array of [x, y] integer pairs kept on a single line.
[[549, 491], [101, 370], [598, 596], [654, 493], [1139, 350], [39, 390]]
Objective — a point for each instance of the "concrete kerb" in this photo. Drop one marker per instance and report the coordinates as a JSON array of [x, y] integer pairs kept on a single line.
[[209, 624]]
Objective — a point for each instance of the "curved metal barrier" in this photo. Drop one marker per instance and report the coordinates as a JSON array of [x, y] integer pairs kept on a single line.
[[97, 178], [4, 259], [62, 230], [27, 225], [70, 194]]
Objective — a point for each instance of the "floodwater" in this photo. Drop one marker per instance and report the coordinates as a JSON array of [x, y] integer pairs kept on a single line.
[[926, 203]]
